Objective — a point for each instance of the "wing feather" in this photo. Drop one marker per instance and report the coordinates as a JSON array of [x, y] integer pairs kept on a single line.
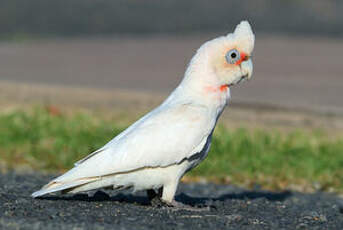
[[161, 138]]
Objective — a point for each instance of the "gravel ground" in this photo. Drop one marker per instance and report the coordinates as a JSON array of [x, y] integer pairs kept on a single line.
[[230, 208]]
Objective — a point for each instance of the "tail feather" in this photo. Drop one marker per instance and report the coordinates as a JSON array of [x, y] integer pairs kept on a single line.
[[56, 186]]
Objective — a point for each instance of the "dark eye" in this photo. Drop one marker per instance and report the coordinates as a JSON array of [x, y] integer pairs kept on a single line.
[[232, 56]]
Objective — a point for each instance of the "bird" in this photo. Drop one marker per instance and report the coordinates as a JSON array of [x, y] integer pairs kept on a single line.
[[155, 152]]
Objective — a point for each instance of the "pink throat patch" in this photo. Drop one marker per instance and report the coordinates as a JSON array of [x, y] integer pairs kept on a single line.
[[222, 88]]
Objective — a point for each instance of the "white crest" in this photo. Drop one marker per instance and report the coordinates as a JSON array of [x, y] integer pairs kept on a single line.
[[244, 35]]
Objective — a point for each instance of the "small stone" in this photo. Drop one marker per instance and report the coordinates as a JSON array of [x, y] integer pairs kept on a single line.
[[311, 216], [302, 226], [256, 221], [9, 213], [307, 218], [314, 214], [234, 218], [20, 201], [322, 218]]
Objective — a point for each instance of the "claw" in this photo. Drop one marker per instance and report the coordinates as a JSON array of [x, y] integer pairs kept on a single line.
[[155, 198]]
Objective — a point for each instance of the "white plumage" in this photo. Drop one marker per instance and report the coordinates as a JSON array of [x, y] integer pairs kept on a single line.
[[157, 150]]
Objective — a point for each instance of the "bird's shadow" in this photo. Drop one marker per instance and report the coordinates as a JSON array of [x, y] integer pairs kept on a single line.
[[101, 196], [182, 197], [245, 195]]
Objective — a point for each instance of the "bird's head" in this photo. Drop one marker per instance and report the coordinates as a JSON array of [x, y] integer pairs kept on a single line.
[[224, 61]]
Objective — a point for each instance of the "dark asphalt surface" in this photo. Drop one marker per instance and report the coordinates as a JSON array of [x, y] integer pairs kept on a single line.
[[231, 208]]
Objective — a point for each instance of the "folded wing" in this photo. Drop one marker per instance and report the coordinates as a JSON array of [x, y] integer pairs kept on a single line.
[[164, 137]]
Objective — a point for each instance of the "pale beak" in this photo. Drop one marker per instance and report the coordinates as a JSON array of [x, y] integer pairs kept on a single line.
[[247, 69]]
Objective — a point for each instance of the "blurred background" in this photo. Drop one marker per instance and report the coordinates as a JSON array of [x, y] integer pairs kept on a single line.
[[112, 61]]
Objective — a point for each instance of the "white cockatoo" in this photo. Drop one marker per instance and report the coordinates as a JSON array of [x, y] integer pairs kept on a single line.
[[157, 150]]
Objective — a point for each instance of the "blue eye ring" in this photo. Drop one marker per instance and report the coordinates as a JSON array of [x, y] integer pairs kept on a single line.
[[232, 56]]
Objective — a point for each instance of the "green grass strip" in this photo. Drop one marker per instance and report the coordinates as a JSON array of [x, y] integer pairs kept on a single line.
[[53, 142]]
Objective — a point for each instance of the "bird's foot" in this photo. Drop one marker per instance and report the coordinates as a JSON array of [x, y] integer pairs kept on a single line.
[[155, 198], [180, 206], [156, 201]]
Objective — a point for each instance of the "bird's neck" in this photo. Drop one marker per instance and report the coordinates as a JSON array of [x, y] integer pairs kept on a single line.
[[201, 86], [204, 92]]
